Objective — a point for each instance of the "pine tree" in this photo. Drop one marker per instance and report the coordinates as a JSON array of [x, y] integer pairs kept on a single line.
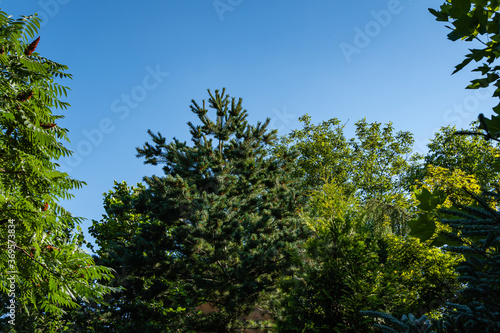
[[229, 211]]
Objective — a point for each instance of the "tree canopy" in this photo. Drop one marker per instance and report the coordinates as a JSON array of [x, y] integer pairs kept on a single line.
[[316, 231]]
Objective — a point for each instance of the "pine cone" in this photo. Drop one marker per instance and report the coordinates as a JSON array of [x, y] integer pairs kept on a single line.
[[31, 48]]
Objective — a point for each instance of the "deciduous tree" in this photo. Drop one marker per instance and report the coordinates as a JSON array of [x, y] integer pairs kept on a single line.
[[345, 271], [373, 165], [42, 256], [470, 155]]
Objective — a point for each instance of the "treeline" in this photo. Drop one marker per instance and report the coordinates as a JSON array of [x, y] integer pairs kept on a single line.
[[316, 231]]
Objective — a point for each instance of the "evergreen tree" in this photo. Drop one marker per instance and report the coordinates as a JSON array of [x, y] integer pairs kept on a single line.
[[477, 227], [228, 213], [143, 302]]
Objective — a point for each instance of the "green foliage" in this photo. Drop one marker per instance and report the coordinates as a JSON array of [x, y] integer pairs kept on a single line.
[[473, 226], [50, 269], [478, 309], [423, 276], [453, 162], [440, 189], [471, 155], [381, 161], [324, 153], [372, 165], [477, 20], [339, 274], [218, 229], [128, 244], [423, 226], [348, 267], [476, 228], [408, 323]]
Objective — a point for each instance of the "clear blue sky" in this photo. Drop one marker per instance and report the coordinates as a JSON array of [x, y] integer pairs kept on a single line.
[[138, 64]]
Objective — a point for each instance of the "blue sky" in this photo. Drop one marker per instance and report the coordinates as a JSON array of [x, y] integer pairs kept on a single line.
[[136, 66]]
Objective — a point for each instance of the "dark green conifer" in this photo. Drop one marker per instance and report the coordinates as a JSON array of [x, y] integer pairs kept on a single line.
[[478, 228], [229, 211]]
